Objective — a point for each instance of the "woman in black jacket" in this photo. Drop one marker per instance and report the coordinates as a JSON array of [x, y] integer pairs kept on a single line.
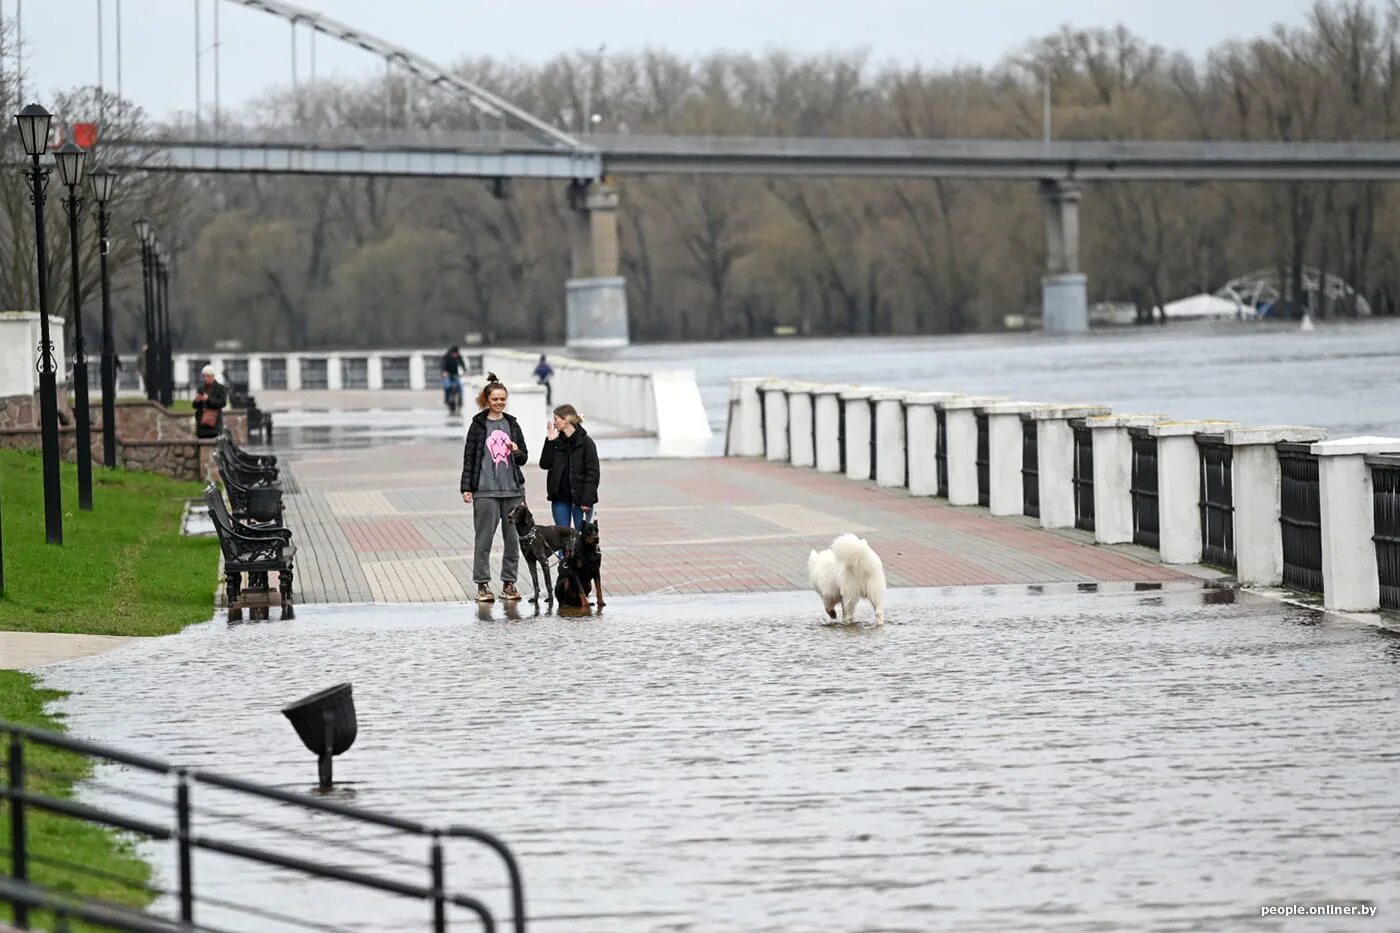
[[492, 484], [571, 458]]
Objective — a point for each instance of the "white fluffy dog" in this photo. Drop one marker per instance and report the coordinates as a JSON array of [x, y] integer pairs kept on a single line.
[[846, 573]]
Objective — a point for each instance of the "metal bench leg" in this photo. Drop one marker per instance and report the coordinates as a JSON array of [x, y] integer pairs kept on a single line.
[[284, 586], [232, 580]]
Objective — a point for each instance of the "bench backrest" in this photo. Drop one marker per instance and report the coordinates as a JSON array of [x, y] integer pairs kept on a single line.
[[223, 522]]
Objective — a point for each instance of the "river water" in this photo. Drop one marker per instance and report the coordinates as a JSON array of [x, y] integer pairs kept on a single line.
[[1004, 758], [1342, 376]]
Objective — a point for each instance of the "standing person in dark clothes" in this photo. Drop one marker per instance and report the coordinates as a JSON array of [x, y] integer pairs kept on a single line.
[[543, 373], [492, 484], [452, 369], [209, 404], [571, 457]]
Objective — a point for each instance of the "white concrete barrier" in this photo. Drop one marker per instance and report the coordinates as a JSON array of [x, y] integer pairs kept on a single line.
[[1005, 456], [528, 407], [1350, 573], [666, 404], [775, 419], [745, 420], [1113, 474], [1179, 488], [860, 430], [891, 452], [921, 431], [802, 424], [1055, 460], [1256, 496], [826, 410], [960, 427]]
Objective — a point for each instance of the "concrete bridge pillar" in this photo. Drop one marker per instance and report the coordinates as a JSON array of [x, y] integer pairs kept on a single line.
[[595, 294], [1064, 291]]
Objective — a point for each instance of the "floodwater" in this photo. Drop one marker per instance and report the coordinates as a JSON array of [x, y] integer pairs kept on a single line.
[[1342, 376], [1004, 758]]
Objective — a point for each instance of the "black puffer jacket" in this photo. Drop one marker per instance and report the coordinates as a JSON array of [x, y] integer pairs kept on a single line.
[[576, 457], [476, 440]]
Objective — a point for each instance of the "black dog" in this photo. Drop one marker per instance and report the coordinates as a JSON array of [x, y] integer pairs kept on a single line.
[[538, 543], [579, 571]]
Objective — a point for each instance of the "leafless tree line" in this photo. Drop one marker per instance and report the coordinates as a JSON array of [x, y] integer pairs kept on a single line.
[[306, 262]]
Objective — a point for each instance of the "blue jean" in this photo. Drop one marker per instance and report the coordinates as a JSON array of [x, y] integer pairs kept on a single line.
[[567, 514]]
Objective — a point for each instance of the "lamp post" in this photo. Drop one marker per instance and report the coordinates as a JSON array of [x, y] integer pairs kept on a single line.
[[144, 234], [167, 385], [103, 182], [71, 159], [33, 122]]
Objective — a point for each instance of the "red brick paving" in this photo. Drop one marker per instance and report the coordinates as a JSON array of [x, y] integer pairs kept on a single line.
[[671, 526]]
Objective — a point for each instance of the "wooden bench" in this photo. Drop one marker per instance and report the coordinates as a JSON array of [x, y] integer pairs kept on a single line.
[[257, 550]]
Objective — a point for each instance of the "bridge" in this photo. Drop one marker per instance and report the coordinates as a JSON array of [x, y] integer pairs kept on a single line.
[[523, 146]]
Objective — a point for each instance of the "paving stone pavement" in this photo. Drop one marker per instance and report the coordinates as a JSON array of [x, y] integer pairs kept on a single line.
[[385, 524]]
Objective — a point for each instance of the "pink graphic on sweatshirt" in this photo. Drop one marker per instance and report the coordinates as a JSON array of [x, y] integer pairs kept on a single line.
[[498, 446]]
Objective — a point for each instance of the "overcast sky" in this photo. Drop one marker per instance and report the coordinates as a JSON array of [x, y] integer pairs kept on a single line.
[[158, 36]]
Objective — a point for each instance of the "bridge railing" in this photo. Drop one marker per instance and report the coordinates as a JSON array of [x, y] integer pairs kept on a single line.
[[1214, 491]]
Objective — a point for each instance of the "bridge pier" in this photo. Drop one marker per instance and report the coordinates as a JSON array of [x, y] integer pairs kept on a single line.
[[595, 294], [1063, 290]]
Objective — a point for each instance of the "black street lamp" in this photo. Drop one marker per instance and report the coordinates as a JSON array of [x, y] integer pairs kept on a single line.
[[167, 373], [71, 159], [145, 233], [33, 122], [104, 181]]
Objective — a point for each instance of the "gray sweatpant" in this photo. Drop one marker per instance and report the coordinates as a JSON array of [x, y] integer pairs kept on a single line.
[[487, 513]]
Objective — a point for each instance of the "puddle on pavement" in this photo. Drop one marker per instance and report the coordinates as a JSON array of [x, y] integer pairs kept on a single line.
[[991, 758]]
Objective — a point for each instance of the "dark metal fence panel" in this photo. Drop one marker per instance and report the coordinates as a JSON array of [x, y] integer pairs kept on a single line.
[[904, 419], [1217, 501], [984, 463], [763, 418], [841, 430], [1385, 480], [1144, 489], [1030, 468], [874, 449], [940, 457], [1300, 518], [1083, 478], [394, 372], [274, 373]]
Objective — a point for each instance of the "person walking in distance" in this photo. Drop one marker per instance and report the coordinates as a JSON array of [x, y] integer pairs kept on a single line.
[[543, 373], [571, 458], [492, 484], [452, 369]]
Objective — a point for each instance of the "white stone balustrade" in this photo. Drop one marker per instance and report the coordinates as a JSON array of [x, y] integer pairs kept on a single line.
[[802, 425], [859, 430], [960, 428], [1256, 495], [922, 435], [1350, 573], [826, 409], [1055, 459], [890, 442], [1005, 456], [1179, 487], [1113, 473], [775, 419]]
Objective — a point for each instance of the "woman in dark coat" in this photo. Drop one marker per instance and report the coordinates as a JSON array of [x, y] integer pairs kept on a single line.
[[209, 404], [571, 457], [492, 484]]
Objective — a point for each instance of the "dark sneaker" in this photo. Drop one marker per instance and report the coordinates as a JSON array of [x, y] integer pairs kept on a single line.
[[510, 592], [484, 594]]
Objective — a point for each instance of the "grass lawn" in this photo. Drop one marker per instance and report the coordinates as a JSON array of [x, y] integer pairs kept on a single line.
[[60, 838], [123, 569]]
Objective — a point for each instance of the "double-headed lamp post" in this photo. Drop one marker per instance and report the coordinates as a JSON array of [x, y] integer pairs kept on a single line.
[[167, 360], [33, 122], [145, 234], [104, 182], [71, 159]]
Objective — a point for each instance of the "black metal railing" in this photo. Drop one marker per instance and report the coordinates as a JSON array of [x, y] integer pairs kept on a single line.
[[1217, 500], [812, 407], [841, 430], [177, 825], [1083, 477], [787, 420], [763, 418], [1030, 468], [904, 420], [940, 456], [1144, 489], [1300, 518], [984, 463], [1385, 481], [874, 447]]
